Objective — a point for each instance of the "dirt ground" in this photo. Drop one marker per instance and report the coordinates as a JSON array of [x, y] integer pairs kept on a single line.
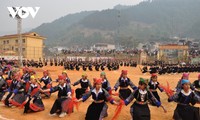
[[133, 74]]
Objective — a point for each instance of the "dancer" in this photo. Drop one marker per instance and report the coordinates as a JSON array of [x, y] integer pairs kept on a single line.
[[105, 82], [179, 85], [123, 82], [46, 79], [153, 85], [85, 83], [185, 99], [140, 109], [33, 101], [25, 79], [15, 95], [64, 73], [64, 94], [98, 109]]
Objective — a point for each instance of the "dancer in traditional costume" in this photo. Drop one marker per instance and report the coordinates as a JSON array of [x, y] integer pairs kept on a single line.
[[15, 95], [179, 85], [85, 83], [46, 79], [123, 82], [153, 86], [140, 109], [26, 76], [105, 82], [66, 77], [33, 101], [64, 73], [64, 94], [25, 79], [98, 109], [185, 99]]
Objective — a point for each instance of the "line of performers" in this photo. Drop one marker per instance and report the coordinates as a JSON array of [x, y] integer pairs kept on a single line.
[[77, 64], [101, 65], [26, 91], [170, 69]]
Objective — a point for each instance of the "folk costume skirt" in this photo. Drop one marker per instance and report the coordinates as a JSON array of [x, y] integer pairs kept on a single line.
[[96, 111], [186, 112], [140, 112]]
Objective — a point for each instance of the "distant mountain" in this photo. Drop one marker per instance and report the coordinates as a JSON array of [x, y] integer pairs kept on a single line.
[[121, 7], [56, 29], [153, 20]]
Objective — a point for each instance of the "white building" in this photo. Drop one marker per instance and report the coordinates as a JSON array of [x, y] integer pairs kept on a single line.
[[57, 49], [103, 46]]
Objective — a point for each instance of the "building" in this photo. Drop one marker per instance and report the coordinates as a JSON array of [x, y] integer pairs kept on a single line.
[[32, 45], [150, 47], [173, 53], [103, 46]]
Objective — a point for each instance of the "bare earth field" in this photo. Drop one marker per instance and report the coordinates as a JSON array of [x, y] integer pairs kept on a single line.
[[133, 74]]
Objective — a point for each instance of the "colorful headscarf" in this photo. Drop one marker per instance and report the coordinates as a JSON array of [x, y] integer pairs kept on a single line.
[[144, 81], [183, 81]]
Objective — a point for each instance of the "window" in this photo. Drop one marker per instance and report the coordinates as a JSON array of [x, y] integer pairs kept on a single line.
[[7, 41], [12, 48], [16, 49], [23, 49], [4, 42], [16, 41], [23, 41]]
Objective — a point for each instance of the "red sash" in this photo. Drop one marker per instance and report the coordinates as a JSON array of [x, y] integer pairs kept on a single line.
[[118, 110]]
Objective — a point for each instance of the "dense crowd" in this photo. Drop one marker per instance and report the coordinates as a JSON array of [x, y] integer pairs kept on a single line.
[[80, 64], [27, 91], [171, 69], [100, 52]]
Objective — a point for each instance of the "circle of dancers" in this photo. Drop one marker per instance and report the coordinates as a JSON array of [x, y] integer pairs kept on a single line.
[[27, 91]]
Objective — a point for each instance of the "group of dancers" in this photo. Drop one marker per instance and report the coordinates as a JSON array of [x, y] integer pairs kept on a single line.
[[77, 64], [27, 91], [170, 69]]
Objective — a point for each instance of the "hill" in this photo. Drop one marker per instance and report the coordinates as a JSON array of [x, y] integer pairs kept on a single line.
[[155, 20]]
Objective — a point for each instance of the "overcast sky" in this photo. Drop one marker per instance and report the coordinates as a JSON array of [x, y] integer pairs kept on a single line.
[[51, 10]]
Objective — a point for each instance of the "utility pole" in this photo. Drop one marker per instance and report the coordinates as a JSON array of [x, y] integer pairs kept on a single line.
[[19, 29]]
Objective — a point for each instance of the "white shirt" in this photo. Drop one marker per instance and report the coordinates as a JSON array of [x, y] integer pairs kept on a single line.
[[97, 93]]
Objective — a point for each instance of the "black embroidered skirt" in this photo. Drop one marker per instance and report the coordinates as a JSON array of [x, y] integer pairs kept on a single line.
[[94, 111], [186, 112], [18, 99], [140, 112], [37, 105]]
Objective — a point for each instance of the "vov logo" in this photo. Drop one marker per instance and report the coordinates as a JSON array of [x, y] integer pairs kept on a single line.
[[23, 12]]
